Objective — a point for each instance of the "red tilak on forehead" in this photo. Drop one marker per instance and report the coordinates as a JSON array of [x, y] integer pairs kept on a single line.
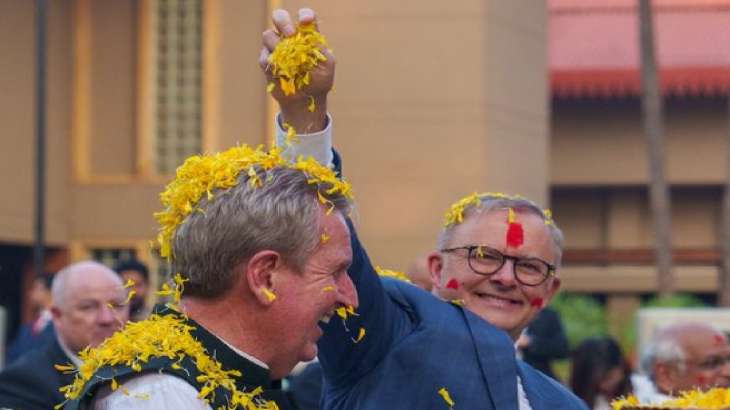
[[701, 379], [452, 284], [515, 233]]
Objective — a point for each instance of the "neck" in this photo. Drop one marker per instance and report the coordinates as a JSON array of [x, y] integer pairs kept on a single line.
[[233, 323]]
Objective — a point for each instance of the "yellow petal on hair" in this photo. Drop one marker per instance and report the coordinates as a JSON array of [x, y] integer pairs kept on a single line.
[[446, 396], [64, 367], [269, 294], [360, 335], [253, 178], [114, 384], [130, 295], [270, 87], [129, 283], [328, 288], [311, 105], [324, 238], [510, 215]]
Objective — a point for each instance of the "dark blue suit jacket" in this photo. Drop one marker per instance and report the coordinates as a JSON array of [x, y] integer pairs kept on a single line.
[[416, 344]]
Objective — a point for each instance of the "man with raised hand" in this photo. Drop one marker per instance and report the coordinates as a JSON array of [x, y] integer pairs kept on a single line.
[[497, 262]]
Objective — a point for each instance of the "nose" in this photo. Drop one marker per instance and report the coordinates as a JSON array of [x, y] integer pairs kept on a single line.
[[346, 292], [106, 315], [505, 276]]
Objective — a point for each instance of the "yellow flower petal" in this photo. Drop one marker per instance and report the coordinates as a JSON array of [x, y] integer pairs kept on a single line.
[[446, 396], [269, 294]]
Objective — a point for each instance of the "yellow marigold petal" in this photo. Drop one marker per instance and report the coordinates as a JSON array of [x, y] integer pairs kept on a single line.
[[329, 288], [114, 385], [392, 274], [270, 87], [269, 294], [324, 238], [360, 335], [446, 396], [64, 367], [310, 106], [129, 283], [130, 295]]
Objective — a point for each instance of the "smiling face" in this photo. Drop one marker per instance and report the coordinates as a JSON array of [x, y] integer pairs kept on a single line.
[[497, 298], [312, 295]]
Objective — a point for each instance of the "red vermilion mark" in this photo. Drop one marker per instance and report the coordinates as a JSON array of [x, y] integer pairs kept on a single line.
[[701, 380], [452, 284], [537, 302], [515, 233], [719, 339]]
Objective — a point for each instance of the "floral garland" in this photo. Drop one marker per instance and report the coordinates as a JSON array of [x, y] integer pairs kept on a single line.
[[162, 336], [205, 174], [713, 399], [455, 214], [295, 57]]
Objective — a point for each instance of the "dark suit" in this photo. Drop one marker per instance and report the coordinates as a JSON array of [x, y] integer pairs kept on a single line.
[[416, 344], [32, 382], [26, 340]]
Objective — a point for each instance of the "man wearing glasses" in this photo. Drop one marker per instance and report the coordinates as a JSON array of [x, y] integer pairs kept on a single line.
[[405, 349]]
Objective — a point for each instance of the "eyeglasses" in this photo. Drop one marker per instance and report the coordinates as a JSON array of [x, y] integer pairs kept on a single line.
[[484, 260], [714, 362]]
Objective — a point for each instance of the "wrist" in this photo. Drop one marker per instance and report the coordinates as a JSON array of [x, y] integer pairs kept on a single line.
[[295, 112]]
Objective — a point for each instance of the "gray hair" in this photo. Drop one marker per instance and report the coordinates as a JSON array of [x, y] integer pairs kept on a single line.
[[664, 350], [280, 215], [491, 202], [60, 280]]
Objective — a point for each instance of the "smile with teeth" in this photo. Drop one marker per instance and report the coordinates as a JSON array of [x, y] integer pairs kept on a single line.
[[497, 301]]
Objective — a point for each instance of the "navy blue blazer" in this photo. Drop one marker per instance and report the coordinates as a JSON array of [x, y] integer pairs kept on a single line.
[[415, 345]]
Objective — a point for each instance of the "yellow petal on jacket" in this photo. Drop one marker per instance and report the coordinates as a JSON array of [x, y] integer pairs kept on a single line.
[[446, 396], [360, 335], [64, 367]]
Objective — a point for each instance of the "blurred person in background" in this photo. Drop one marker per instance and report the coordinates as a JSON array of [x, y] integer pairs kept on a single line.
[[684, 356], [138, 273], [544, 341], [37, 333], [87, 307], [599, 372]]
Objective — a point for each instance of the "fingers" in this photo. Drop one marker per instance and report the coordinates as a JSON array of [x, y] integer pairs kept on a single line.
[[306, 16], [270, 39], [264, 59], [283, 22]]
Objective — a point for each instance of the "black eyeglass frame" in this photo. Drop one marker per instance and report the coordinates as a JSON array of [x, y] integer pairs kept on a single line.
[[470, 251]]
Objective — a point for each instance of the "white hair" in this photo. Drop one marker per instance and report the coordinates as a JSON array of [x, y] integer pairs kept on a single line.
[[59, 287], [662, 350]]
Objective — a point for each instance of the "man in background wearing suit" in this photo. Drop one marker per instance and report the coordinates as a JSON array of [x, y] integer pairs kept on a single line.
[[87, 307], [408, 349]]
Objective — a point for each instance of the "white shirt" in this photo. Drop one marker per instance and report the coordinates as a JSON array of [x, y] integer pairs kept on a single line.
[[319, 146]]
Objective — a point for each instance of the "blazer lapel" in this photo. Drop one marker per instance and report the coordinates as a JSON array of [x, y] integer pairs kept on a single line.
[[538, 400], [497, 361]]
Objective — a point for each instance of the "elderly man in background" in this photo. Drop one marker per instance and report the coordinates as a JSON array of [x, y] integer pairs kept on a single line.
[[684, 356], [496, 261], [87, 307]]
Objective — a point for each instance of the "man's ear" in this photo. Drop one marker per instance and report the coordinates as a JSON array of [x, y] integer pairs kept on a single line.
[[435, 264], [260, 272], [553, 287]]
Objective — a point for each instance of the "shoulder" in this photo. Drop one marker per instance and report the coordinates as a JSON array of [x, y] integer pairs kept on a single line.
[[548, 389], [150, 391]]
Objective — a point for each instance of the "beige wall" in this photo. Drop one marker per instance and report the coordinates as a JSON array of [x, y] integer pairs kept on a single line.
[[601, 142]]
